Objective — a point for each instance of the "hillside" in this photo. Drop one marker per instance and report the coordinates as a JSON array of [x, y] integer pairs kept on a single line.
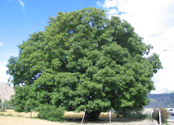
[[161, 100], [5, 91]]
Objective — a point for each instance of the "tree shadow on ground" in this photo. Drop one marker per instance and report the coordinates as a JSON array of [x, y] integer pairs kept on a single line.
[[102, 120]]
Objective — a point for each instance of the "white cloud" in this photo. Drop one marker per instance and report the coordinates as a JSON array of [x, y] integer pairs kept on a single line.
[[22, 4], [163, 81], [153, 20], [110, 3], [0, 43], [112, 12], [3, 76], [3, 68], [99, 3]]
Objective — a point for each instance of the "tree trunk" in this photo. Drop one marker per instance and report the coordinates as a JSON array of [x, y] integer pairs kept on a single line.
[[92, 116], [30, 114]]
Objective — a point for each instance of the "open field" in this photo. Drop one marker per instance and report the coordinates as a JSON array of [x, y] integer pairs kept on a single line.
[[8, 120], [71, 118], [67, 114]]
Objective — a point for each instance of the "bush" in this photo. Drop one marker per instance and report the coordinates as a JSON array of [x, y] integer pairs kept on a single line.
[[7, 104], [131, 114], [2, 110], [164, 115], [51, 113]]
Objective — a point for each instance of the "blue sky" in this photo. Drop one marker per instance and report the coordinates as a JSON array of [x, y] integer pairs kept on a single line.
[[152, 19]]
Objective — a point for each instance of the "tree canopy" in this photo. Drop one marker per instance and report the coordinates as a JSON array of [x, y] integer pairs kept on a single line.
[[83, 60]]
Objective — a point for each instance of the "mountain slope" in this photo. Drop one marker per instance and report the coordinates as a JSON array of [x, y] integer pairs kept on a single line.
[[6, 91], [161, 100]]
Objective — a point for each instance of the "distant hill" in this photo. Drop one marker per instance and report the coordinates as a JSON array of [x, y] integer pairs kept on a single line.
[[165, 100], [6, 91], [161, 100]]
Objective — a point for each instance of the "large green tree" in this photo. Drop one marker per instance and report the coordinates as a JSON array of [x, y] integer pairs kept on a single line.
[[83, 60]]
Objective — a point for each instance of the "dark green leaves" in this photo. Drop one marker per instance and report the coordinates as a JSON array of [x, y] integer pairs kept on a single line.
[[83, 61]]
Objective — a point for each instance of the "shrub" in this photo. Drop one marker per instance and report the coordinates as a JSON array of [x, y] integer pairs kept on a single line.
[[2, 110], [164, 115], [7, 104], [50, 112], [132, 114]]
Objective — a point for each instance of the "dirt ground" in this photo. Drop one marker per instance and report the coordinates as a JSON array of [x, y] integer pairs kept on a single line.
[[23, 119], [8, 120]]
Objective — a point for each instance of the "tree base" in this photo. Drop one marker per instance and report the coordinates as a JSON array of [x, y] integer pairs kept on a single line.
[[92, 116]]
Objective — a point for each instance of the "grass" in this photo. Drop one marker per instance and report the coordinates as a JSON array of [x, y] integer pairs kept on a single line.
[[3, 110], [20, 114], [6, 115], [10, 117], [7, 120], [66, 114]]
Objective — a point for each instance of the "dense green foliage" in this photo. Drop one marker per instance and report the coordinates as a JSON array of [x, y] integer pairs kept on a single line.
[[131, 114], [164, 115], [24, 99], [82, 61], [51, 113]]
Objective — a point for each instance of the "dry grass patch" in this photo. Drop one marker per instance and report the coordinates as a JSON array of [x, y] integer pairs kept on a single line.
[[69, 114], [13, 113], [66, 114], [72, 118], [7, 120]]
